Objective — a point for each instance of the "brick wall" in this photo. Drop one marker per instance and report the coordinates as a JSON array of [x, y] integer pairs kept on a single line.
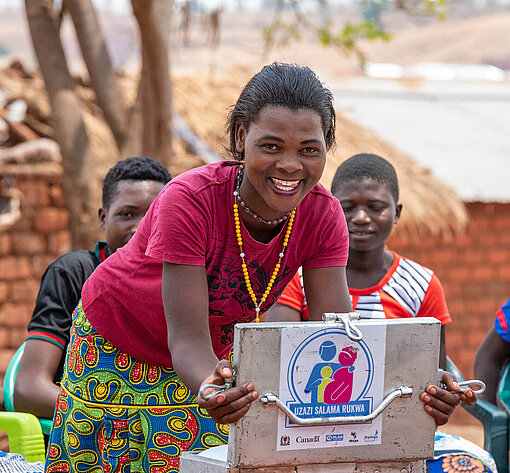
[[37, 238], [475, 272]]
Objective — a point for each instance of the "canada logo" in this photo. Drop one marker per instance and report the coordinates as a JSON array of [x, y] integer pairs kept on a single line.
[[330, 375]]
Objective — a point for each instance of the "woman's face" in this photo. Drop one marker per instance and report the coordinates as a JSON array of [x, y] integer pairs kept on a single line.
[[370, 212], [284, 156]]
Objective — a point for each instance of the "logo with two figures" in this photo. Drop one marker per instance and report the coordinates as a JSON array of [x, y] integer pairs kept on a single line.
[[329, 375]]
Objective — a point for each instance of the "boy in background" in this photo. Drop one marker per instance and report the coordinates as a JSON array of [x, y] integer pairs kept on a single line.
[[129, 188]]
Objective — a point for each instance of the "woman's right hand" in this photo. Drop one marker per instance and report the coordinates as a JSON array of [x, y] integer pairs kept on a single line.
[[230, 405]]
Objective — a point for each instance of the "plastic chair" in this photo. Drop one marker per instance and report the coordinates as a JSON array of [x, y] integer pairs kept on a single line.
[[495, 421], [10, 379], [25, 435], [504, 389]]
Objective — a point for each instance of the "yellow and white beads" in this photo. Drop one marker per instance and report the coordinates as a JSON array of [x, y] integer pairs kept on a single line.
[[245, 267]]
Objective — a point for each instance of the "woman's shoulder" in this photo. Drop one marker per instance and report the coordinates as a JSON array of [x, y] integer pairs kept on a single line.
[[320, 199], [205, 177]]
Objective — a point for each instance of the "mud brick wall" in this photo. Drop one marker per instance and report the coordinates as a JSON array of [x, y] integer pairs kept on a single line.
[[37, 238], [475, 272]]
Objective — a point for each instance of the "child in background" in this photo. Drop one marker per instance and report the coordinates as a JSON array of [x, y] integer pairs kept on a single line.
[[383, 284], [129, 188]]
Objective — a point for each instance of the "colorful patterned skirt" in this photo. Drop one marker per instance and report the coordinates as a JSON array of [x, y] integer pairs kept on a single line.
[[117, 414]]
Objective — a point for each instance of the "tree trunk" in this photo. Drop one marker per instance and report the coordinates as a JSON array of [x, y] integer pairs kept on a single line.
[[155, 78], [102, 76], [68, 121]]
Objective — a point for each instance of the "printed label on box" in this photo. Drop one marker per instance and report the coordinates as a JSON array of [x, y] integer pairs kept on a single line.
[[326, 374]]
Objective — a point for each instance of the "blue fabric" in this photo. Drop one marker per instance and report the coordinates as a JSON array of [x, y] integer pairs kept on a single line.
[[502, 322], [454, 454]]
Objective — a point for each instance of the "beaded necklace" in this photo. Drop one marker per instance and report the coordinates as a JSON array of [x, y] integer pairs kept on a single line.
[[250, 211], [242, 255]]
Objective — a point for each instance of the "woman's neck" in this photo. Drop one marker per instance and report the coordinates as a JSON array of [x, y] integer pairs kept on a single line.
[[260, 231], [367, 268]]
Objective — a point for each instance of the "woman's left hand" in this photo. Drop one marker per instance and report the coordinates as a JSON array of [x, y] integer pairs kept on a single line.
[[440, 403], [230, 405]]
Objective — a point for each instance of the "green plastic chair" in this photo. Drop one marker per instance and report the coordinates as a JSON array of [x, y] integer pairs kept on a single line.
[[495, 420], [10, 379], [504, 389], [25, 435]]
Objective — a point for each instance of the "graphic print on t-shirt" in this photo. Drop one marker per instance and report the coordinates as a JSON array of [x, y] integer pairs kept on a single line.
[[226, 285]]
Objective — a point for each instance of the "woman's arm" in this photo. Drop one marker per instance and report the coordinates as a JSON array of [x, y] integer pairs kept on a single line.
[[490, 358], [326, 291], [186, 302], [282, 313]]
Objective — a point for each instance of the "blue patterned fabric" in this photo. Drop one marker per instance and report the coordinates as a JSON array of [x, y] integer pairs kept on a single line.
[[454, 454], [118, 414]]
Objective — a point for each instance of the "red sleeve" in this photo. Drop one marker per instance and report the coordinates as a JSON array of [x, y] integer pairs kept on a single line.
[[292, 295], [434, 303]]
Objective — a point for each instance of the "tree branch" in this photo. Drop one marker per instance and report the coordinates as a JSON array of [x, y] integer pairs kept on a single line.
[[102, 76], [156, 86], [68, 121]]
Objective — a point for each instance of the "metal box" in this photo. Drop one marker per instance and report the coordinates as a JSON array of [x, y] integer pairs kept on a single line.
[[317, 372]]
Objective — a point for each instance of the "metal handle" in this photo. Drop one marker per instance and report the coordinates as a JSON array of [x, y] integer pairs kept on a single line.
[[463, 384], [473, 382], [217, 389], [402, 391]]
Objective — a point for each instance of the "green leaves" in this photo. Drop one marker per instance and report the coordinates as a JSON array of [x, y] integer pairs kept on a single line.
[[347, 36]]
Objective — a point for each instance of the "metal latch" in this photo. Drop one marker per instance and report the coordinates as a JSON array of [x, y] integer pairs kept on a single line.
[[347, 319], [464, 384]]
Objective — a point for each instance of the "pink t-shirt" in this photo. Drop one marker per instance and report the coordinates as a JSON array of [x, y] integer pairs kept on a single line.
[[191, 222]]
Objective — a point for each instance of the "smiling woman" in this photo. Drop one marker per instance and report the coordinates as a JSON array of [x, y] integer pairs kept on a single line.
[[217, 247], [284, 159]]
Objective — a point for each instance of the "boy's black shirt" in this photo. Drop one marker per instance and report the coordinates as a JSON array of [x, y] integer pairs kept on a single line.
[[59, 294]]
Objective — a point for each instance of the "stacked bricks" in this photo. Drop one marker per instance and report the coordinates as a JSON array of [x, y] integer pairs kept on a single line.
[[475, 272], [27, 247]]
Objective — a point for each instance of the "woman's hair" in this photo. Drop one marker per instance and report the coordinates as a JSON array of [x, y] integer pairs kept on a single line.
[[367, 166], [132, 169], [282, 85]]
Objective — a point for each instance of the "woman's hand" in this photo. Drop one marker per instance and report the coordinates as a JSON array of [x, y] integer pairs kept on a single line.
[[440, 403], [230, 405]]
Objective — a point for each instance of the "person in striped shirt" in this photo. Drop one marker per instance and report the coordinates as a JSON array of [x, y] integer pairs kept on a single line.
[[382, 284]]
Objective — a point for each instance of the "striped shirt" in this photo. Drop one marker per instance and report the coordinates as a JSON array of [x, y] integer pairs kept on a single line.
[[408, 289]]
